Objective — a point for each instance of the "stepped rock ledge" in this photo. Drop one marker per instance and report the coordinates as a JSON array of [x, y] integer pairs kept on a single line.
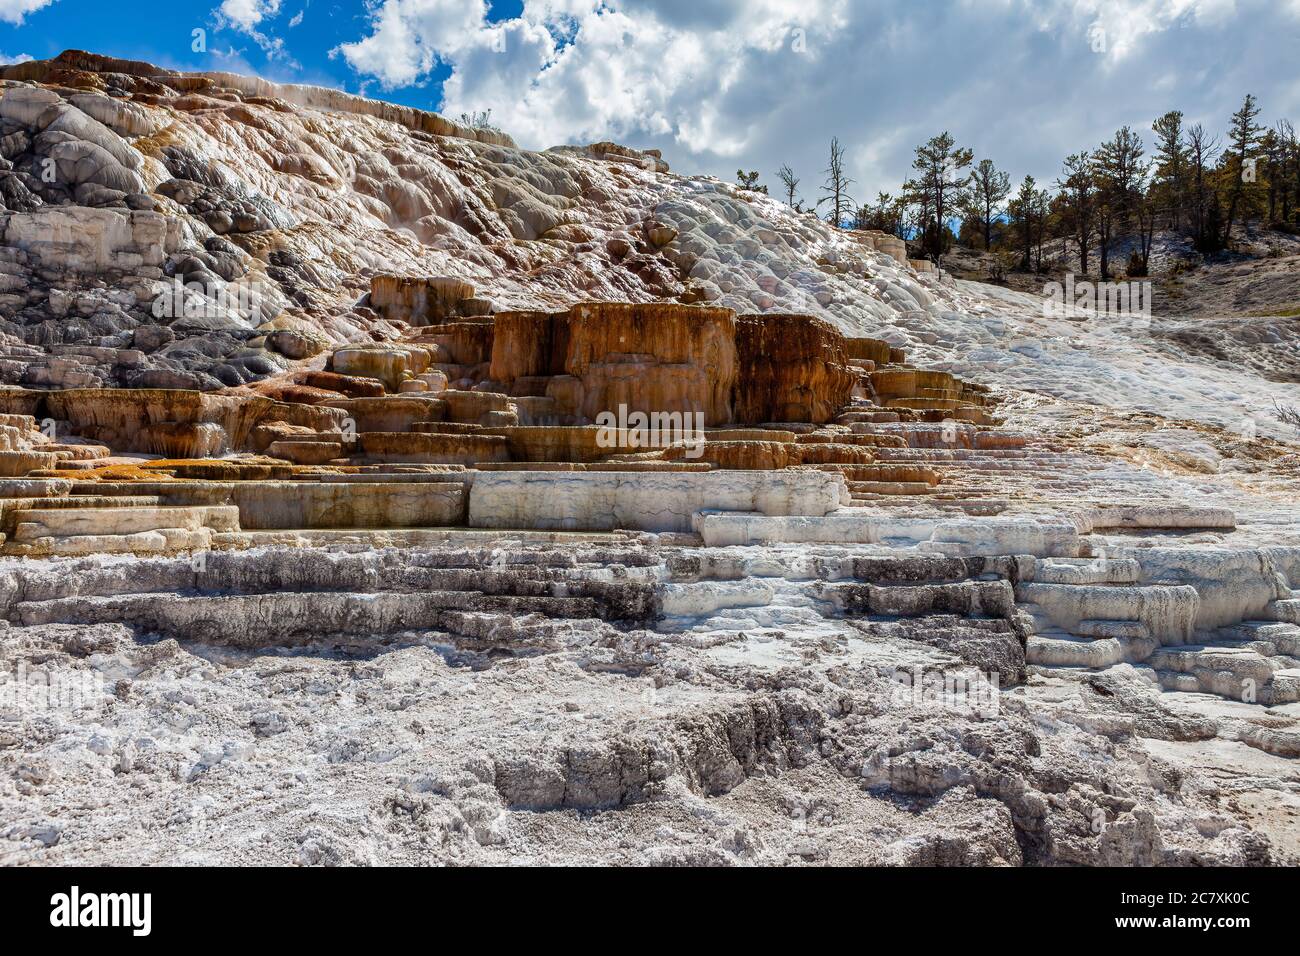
[[373, 490]]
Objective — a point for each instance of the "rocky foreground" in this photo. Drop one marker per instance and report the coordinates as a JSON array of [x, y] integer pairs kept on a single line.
[[373, 491]]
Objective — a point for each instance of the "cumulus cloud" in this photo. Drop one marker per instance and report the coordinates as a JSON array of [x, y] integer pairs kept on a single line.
[[721, 83], [246, 16], [409, 37], [8, 60], [13, 11]]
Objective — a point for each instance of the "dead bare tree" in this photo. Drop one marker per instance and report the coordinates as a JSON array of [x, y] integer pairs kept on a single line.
[[1287, 414], [789, 182], [836, 187]]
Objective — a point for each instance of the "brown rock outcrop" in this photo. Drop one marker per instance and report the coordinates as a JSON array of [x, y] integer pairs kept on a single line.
[[743, 455], [676, 358], [434, 448], [867, 349], [153, 419], [352, 386], [648, 358], [390, 413], [390, 364], [792, 368], [582, 443], [417, 301], [460, 343], [529, 346]]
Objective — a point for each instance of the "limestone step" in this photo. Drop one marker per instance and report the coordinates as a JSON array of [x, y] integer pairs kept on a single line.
[[1167, 611], [35, 487], [16, 464], [419, 496], [446, 428], [1235, 672], [37, 522], [1287, 610], [1281, 686], [664, 466], [890, 488], [284, 617], [74, 464], [1132, 630], [1175, 681], [1088, 571], [1282, 636], [1059, 649], [303, 452], [9, 507], [964, 598], [433, 447], [78, 452]]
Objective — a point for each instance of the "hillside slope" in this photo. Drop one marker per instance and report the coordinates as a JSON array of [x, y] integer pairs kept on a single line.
[[121, 179]]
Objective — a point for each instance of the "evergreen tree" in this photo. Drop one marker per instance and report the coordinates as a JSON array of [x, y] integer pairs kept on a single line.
[[749, 182], [1201, 150], [1244, 139], [989, 189], [1116, 170], [1079, 197], [939, 164], [1171, 164], [1023, 211]]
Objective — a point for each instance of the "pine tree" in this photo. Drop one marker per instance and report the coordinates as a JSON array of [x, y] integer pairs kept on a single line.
[[748, 182], [1116, 168], [1201, 150], [1171, 164], [1288, 170], [1043, 216], [1079, 195], [940, 163], [1244, 137], [989, 189], [1023, 211]]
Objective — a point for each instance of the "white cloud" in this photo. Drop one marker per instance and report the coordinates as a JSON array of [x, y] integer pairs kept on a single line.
[[408, 37], [574, 69], [247, 15], [722, 83], [8, 60], [13, 11]]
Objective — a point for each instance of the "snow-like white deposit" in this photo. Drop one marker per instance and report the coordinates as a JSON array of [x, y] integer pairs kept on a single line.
[[336, 189]]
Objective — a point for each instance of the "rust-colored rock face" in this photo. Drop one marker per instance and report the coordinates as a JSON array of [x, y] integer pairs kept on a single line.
[[654, 358], [459, 343], [529, 345], [745, 455], [648, 358], [350, 385], [867, 349], [159, 420], [792, 368], [675, 358], [419, 301]]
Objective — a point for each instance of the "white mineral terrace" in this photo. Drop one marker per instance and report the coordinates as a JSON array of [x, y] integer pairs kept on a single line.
[[329, 559]]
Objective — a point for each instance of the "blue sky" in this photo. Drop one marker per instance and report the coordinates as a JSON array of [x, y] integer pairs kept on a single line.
[[719, 84], [142, 31]]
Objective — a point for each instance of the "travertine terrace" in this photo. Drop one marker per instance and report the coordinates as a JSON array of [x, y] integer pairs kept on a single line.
[[375, 491]]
